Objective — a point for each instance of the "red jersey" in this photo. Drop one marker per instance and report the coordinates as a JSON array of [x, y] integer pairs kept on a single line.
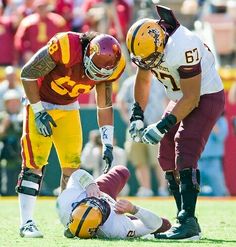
[[67, 80], [6, 40]]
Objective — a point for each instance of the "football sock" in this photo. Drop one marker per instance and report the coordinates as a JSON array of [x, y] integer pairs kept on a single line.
[[27, 204], [190, 180], [174, 189]]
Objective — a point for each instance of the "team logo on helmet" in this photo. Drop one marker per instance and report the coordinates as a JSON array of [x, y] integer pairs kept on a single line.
[[155, 34], [95, 48]]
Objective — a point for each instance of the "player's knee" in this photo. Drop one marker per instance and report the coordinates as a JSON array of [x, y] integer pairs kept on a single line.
[[190, 180], [122, 171], [28, 182]]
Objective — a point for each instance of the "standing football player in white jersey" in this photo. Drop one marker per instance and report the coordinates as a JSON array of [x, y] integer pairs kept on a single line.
[[186, 68], [88, 208]]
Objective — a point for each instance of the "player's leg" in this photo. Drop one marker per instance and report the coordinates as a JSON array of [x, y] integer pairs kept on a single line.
[[166, 158], [113, 181], [67, 138], [35, 152], [190, 140]]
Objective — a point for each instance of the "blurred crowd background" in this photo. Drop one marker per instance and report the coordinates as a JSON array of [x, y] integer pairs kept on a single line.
[[27, 25]]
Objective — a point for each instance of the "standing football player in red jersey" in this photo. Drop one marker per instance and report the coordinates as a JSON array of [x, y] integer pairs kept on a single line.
[[69, 65]]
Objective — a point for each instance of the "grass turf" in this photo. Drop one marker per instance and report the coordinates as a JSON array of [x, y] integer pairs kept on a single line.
[[217, 219]]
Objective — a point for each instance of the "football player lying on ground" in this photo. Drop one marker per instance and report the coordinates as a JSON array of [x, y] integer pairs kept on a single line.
[[88, 208]]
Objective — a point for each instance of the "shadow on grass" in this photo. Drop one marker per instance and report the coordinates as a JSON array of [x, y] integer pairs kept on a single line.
[[202, 241]]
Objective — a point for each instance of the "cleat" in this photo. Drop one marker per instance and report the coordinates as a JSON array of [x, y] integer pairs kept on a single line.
[[30, 230], [186, 228]]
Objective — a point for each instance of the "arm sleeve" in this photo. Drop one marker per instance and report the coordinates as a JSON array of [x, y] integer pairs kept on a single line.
[[146, 222]]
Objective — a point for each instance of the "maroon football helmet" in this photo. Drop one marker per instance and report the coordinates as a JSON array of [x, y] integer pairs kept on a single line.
[[101, 57]]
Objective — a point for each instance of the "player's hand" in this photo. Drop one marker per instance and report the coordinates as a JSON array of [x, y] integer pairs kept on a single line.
[[155, 132], [136, 123], [43, 123], [124, 206], [107, 156], [152, 135], [136, 128], [93, 190]]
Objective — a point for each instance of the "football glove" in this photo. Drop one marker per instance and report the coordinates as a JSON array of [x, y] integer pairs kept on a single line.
[[107, 156], [155, 132], [136, 123], [43, 123]]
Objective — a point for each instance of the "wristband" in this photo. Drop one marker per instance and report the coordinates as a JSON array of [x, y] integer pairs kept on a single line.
[[135, 210], [37, 107], [85, 180], [166, 123], [137, 113], [107, 133]]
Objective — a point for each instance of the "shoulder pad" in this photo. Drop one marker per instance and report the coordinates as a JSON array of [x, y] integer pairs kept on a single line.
[[65, 48]]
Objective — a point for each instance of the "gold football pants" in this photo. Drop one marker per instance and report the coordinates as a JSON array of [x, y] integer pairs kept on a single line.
[[66, 137]]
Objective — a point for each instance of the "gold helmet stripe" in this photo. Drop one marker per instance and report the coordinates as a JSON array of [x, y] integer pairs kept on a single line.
[[134, 35], [82, 220]]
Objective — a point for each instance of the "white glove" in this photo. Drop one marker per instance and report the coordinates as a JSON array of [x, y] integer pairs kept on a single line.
[[136, 129], [152, 135]]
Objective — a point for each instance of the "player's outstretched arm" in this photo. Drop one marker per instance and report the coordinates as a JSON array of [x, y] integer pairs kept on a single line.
[[146, 222], [105, 120]]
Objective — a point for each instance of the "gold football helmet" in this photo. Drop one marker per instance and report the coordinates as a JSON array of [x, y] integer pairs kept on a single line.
[[86, 217], [145, 42]]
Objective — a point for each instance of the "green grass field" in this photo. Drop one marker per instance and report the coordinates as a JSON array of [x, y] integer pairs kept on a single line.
[[217, 218]]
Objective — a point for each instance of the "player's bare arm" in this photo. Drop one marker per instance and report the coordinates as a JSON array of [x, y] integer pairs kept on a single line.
[[142, 87], [191, 95], [104, 103], [39, 65]]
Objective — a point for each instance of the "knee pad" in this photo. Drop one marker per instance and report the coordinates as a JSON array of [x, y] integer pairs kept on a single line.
[[173, 181], [190, 180], [28, 183]]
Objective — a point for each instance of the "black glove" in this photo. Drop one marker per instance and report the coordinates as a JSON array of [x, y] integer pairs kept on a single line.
[[43, 123], [137, 113], [107, 156]]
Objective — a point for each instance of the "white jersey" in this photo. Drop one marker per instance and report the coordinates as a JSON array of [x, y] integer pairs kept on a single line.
[[184, 48], [116, 225]]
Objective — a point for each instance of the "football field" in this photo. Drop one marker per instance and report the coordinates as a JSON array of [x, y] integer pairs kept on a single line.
[[217, 218]]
